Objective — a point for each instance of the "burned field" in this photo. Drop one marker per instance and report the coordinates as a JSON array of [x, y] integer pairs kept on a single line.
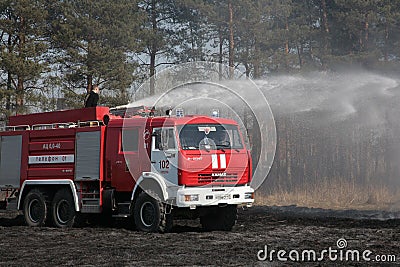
[[287, 228]]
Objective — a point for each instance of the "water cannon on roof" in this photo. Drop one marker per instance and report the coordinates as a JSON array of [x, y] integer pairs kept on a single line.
[[126, 111], [215, 113], [179, 112]]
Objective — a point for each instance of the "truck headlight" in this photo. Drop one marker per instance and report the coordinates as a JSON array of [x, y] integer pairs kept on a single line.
[[189, 198], [249, 195]]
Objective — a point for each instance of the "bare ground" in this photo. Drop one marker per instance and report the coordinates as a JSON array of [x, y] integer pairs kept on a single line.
[[286, 228]]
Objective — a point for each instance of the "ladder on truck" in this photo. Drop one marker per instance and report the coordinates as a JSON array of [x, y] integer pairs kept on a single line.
[[47, 126]]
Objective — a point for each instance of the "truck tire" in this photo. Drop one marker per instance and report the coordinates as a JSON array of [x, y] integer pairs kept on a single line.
[[220, 219], [35, 208], [149, 213], [63, 209]]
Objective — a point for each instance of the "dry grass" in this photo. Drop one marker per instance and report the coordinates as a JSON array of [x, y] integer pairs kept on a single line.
[[335, 195]]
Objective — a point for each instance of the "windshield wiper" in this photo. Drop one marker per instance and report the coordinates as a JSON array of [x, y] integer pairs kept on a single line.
[[223, 145]]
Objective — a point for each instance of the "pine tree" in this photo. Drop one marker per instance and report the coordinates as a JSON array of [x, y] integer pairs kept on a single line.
[[304, 34], [389, 34], [22, 52], [194, 35], [159, 35], [253, 35], [352, 29], [93, 39]]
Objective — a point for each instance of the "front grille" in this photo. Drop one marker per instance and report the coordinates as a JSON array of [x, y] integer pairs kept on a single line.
[[206, 178]]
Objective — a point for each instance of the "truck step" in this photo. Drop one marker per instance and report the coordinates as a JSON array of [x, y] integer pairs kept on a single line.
[[91, 205], [123, 208], [90, 209], [12, 203], [91, 201]]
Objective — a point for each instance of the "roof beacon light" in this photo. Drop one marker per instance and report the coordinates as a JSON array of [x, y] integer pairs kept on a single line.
[[215, 113], [179, 112]]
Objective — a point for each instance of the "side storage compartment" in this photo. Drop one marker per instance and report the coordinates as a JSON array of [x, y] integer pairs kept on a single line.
[[88, 169], [10, 170], [87, 164], [10, 161]]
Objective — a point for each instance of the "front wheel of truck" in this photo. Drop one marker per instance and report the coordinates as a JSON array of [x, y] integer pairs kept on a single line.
[[149, 213]]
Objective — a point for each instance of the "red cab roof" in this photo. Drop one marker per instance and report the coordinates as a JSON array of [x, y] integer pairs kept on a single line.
[[172, 121]]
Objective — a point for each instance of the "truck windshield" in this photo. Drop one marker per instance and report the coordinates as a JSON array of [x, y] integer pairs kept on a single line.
[[209, 136]]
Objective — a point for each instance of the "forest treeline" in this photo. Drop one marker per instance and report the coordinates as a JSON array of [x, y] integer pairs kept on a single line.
[[52, 48]]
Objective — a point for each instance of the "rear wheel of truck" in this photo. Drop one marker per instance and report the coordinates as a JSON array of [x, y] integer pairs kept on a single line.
[[220, 219], [35, 208], [63, 209], [149, 213]]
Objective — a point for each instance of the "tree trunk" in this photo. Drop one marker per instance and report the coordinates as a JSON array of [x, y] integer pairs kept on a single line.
[[19, 101], [153, 48], [326, 31], [256, 60], [299, 54], [152, 72], [9, 79], [247, 69], [366, 31], [221, 51], [231, 41], [287, 45], [310, 40], [325, 18], [386, 42], [90, 60], [20, 95], [9, 90], [89, 83]]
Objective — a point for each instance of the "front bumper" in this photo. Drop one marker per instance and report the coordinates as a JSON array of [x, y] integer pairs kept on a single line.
[[212, 196]]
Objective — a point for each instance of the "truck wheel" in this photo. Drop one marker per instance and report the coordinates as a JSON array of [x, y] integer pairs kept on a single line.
[[149, 215], [63, 209], [35, 208], [220, 219]]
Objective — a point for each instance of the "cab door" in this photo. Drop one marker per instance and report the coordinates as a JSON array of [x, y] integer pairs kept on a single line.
[[124, 162], [164, 153]]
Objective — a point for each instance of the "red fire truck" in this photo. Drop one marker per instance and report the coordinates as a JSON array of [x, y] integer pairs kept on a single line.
[[59, 167]]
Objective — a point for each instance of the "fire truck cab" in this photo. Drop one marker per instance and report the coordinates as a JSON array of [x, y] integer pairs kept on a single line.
[[64, 167]]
